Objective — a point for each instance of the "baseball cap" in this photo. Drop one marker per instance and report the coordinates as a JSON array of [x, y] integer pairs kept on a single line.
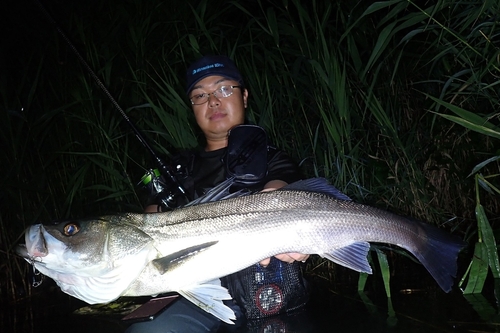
[[211, 65]]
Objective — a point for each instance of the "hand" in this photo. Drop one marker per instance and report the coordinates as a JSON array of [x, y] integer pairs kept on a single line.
[[286, 257], [153, 209], [273, 185]]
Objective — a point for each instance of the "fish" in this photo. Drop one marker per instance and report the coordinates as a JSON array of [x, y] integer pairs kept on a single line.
[[187, 250]]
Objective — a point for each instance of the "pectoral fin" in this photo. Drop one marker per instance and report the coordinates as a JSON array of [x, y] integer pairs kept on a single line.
[[353, 256], [169, 262], [209, 297]]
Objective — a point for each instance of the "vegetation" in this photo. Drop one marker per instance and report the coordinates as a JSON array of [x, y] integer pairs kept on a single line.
[[395, 102]]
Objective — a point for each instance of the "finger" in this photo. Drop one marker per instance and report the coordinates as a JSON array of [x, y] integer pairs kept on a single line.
[[298, 256], [265, 262]]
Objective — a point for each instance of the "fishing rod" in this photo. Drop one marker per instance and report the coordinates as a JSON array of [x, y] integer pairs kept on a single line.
[[164, 169]]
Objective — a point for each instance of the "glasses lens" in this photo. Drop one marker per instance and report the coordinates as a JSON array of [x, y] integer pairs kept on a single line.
[[225, 91], [199, 99]]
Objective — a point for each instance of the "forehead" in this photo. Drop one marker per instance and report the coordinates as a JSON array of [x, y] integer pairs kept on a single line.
[[213, 81]]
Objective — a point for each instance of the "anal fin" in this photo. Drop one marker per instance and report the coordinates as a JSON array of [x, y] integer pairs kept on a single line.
[[353, 256]]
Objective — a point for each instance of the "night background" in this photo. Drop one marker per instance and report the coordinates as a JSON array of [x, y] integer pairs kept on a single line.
[[396, 103]]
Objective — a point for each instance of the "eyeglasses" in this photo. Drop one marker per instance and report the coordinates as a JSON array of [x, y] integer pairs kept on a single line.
[[222, 92]]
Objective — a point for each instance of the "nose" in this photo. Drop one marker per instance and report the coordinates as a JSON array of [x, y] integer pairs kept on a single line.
[[213, 100]]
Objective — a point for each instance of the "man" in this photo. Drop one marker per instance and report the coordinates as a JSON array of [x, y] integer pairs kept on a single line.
[[219, 98]]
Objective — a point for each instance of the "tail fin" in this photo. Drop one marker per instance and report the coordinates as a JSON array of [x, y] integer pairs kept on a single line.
[[438, 254]]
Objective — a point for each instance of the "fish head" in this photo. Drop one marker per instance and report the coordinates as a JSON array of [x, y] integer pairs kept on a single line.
[[93, 260]]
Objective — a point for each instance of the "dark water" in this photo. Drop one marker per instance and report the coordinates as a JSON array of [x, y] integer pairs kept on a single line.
[[333, 308]]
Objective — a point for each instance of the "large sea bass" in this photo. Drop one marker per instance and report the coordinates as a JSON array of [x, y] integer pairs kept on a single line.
[[187, 249]]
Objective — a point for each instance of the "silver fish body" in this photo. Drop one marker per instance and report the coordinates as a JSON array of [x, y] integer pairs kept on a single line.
[[186, 249]]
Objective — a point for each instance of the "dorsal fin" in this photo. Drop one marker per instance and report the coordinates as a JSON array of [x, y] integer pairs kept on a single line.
[[319, 185]]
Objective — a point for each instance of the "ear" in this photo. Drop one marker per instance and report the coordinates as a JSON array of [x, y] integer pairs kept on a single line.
[[245, 98]]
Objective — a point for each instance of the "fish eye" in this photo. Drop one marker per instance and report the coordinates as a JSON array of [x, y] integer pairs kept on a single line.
[[71, 229]]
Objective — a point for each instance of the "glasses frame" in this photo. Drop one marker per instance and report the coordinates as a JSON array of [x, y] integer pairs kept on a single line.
[[215, 92]]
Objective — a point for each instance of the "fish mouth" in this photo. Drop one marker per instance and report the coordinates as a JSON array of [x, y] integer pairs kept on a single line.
[[22, 251], [35, 244]]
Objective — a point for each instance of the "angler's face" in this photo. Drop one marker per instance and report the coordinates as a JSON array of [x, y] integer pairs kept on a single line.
[[219, 114]]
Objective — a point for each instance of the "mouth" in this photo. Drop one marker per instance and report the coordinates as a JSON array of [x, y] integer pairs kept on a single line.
[[217, 116]]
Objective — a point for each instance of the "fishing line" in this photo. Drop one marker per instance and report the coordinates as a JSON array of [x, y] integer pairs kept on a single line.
[[162, 165]]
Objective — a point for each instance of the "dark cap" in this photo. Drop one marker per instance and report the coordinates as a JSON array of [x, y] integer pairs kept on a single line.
[[211, 65]]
